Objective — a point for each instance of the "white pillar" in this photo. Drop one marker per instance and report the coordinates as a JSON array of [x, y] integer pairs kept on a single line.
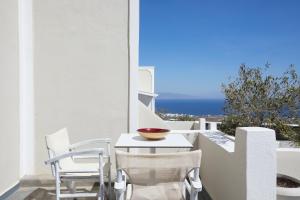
[[133, 63], [202, 124], [213, 126], [255, 149], [26, 89]]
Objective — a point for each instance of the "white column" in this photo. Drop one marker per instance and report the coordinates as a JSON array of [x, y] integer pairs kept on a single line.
[[202, 124], [213, 126], [255, 150], [26, 88], [133, 63]]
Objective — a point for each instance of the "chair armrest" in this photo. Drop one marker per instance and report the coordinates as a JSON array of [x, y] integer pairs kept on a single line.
[[95, 151], [91, 141]]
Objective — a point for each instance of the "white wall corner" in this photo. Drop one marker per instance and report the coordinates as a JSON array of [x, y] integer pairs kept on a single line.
[[26, 88], [256, 148], [134, 14]]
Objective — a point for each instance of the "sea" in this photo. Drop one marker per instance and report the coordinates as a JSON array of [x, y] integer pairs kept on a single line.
[[198, 107]]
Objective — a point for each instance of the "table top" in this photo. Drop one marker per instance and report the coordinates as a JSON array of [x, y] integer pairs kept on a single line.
[[134, 140]]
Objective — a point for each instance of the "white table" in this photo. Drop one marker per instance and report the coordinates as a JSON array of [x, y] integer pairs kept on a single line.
[[134, 140]]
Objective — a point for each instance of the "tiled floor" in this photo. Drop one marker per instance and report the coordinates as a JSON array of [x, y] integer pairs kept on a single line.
[[44, 193], [48, 193]]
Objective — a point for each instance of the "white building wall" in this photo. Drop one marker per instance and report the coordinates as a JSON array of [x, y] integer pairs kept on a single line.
[[81, 70], [9, 95]]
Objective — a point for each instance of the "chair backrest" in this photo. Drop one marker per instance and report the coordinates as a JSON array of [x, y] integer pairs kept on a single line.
[[58, 143], [151, 169]]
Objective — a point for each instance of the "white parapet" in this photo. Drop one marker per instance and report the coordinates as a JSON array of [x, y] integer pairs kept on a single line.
[[288, 162], [244, 169], [212, 126]]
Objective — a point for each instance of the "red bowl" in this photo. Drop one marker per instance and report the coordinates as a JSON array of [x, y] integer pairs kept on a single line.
[[153, 133]]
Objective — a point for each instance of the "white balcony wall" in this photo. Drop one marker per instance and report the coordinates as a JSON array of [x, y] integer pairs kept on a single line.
[[9, 95], [288, 164], [181, 125], [81, 67], [244, 169]]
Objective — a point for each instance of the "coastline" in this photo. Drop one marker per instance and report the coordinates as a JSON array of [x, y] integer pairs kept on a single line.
[[195, 108], [188, 117]]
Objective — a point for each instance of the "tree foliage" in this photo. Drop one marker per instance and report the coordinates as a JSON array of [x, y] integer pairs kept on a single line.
[[256, 98]]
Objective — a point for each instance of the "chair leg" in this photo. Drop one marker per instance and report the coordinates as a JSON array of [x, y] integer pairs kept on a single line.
[[101, 193], [109, 180], [119, 196], [184, 191], [57, 189], [119, 192], [57, 182]]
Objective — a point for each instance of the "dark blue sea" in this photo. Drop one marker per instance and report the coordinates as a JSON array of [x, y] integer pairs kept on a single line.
[[190, 106]]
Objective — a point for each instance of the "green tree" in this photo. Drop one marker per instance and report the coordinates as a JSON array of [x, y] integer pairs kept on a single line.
[[256, 98]]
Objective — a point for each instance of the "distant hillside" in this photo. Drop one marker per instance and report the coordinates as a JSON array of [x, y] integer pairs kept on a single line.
[[166, 95]]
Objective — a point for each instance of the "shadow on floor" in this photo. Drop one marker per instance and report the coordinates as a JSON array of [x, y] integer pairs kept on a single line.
[[49, 194]]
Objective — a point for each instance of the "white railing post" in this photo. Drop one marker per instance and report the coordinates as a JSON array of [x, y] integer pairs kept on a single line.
[[213, 126], [202, 124]]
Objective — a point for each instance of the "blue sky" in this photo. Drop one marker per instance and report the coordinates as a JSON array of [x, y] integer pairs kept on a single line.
[[196, 45]]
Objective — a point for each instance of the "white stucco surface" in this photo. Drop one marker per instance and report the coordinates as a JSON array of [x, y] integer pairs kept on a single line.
[[288, 164], [134, 31], [181, 125], [146, 86], [26, 89], [148, 119], [9, 95], [257, 146], [244, 169], [81, 70], [146, 79]]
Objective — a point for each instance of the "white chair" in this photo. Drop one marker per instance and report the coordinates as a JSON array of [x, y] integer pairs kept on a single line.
[[64, 168], [158, 176]]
